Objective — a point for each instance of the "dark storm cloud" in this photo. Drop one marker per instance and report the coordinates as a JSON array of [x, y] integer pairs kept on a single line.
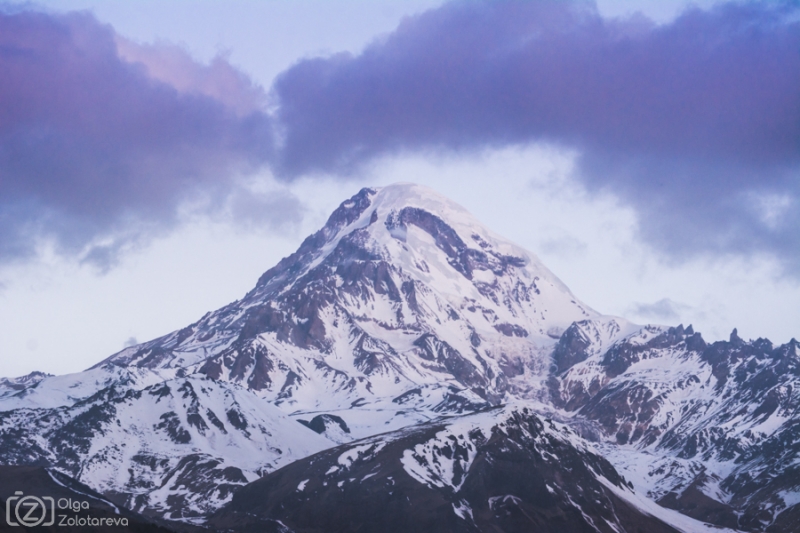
[[101, 140], [695, 123]]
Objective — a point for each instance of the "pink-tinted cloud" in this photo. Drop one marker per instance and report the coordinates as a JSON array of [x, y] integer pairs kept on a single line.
[[171, 64], [94, 141], [687, 121]]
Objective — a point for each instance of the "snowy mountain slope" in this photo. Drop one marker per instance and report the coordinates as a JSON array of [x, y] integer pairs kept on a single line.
[[505, 469], [65, 390], [177, 448], [703, 428]]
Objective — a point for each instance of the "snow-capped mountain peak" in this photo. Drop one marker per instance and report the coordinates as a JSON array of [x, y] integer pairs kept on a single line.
[[401, 288]]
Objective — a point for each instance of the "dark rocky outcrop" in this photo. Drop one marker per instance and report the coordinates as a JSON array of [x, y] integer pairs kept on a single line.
[[571, 348], [321, 423]]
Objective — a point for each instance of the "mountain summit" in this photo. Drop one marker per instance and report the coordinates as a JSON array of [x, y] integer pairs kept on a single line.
[[401, 289]]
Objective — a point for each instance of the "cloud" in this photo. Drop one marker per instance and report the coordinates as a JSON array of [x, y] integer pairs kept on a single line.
[[171, 64], [131, 341], [101, 139], [564, 245], [694, 123], [664, 309]]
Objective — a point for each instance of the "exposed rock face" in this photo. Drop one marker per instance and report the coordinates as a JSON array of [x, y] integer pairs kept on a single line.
[[571, 348]]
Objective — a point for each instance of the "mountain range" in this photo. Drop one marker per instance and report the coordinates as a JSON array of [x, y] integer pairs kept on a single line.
[[406, 369]]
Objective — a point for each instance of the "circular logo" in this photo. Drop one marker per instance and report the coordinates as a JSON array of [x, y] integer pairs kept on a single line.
[[29, 520]]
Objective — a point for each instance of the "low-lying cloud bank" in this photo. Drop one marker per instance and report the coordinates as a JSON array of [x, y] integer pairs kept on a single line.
[[694, 123]]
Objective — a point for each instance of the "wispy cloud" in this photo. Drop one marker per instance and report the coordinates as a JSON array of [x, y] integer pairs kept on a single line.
[[102, 139], [687, 121], [564, 245], [665, 310]]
